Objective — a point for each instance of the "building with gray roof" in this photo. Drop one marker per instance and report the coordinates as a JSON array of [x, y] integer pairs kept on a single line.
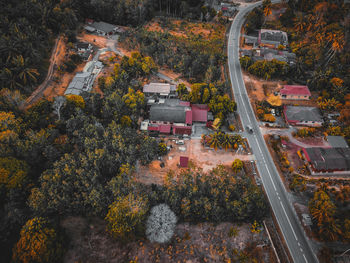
[[328, 159], [171, 111], [337, 142], [101, 28], [307, 116]]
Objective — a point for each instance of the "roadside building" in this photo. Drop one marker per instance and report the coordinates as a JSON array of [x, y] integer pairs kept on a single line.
[[174, 116], [303, 116], [295, 92], [328, 160], [337, 141], [272, 38]]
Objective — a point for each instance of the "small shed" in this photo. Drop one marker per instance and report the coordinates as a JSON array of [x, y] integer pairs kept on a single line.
[[183, 161]]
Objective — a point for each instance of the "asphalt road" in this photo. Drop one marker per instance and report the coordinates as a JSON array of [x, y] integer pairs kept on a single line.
[[297, 242]]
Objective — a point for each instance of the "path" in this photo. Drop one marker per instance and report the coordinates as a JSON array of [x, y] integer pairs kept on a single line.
[[38, 92]]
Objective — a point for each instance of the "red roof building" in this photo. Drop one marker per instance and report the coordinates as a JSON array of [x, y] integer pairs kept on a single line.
[[189, 117], [200, 113], [294, 92], [165, 128], [181, 130], [183, 161], [153, 128]]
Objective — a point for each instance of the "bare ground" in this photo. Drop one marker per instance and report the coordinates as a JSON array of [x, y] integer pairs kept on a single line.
[[203, 242], [202, 157]]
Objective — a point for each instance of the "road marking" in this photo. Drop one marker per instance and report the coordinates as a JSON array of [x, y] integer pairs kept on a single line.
[[284, 210], [305, 258], [298, 244]]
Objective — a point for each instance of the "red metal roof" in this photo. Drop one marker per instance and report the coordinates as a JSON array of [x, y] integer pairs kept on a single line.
[[183, 161], [181, 130], [189, 117], [165, 128], [295, 90], [200, 112], [153, 128], [185, 103]]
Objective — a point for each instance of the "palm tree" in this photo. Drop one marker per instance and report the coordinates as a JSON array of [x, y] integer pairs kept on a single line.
[[24, 73], [226, 142], [299, 23], [214, 141]]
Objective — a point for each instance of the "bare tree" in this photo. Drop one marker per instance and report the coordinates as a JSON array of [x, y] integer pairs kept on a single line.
[[58, 104], [161, 224]]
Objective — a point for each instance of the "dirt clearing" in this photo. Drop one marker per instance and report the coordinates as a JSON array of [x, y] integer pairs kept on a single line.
[[202, 157]]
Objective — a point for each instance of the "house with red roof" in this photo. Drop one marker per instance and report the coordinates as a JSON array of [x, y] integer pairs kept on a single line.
[[295, 92]]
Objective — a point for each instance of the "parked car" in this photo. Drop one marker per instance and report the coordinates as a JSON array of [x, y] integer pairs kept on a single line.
[[180, 142]]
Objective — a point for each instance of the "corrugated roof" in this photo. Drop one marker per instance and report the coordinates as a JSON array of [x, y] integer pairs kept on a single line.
[[183, 161], [200, 112], [102, 26], [295, 90], [157, 88], [299, 113], [329, 158], [164, 129]]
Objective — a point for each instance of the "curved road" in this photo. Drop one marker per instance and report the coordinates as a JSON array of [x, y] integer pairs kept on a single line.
[[296, 240]]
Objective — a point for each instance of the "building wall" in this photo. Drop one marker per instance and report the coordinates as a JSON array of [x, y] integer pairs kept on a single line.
[[295, 97]]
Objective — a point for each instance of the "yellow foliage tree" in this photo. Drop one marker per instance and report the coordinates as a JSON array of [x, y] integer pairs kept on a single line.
[[38, 243], [77, 100], [126, 216]]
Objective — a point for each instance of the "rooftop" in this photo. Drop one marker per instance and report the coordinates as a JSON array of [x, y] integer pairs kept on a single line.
[[102, 26], [169, 111], [295, 90], [163, 88], [337, 142], [329, 158], [299, 113], [273, 36]]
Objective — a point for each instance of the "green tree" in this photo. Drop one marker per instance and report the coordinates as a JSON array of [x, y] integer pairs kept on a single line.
[[126, 217]]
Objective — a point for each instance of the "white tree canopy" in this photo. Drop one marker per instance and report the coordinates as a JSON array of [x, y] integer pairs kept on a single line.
[[161, 224]]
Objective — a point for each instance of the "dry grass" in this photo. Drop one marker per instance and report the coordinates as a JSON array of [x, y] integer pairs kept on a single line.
[[191, 243]]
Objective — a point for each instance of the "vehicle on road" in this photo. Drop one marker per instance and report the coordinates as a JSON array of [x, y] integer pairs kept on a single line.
[[249, 129]]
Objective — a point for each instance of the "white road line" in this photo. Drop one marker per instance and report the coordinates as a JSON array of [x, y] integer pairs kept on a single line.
[[267, 168], [284, 210], [305, 258]]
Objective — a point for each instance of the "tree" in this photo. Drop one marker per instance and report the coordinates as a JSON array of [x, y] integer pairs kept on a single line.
[[160, 224], [39, 242], [126, 217], [323, 210], [58, 104], [237, 165], [214, 141], [267, 8]]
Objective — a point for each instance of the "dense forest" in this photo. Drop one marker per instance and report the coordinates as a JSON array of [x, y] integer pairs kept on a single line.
[[28, 30]]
